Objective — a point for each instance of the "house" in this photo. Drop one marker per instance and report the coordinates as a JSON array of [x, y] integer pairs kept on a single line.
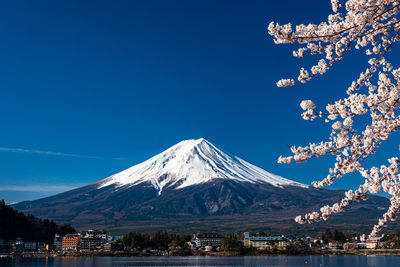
[[70, 242], [207, 239], [264, 242]]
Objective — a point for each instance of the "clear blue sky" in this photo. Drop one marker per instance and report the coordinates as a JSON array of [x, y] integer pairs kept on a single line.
[[106, 85]]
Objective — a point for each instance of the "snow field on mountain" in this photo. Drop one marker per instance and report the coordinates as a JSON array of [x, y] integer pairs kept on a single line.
[[192, 162]]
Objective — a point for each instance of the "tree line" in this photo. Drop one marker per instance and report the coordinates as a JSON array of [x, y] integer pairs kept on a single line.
[[14, 224], [156, 240]]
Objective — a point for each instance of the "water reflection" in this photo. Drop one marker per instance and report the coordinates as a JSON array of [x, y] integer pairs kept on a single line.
[[293, 261]]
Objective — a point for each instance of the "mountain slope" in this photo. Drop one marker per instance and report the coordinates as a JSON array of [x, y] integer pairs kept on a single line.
[[194, 184], [192, 162]]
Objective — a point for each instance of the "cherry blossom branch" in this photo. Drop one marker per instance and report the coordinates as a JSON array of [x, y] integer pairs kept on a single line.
[[374, 25]]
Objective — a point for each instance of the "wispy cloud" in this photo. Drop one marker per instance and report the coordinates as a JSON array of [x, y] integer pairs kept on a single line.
[[38, 188], [119, 158], [50, 153]]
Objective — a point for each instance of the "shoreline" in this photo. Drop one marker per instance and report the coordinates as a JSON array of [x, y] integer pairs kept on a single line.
[[361, 252]]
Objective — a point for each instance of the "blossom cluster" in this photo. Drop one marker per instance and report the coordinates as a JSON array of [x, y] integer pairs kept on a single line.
[[368, 24], [372, 25]]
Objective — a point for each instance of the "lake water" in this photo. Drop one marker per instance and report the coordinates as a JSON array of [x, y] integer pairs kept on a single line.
[[206, 261]]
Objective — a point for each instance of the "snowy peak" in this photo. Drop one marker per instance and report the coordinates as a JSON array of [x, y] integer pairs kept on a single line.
[[192, 162]]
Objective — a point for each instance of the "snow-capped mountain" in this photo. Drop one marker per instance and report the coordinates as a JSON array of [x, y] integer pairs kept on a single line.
[[195, 186], [192, 162]]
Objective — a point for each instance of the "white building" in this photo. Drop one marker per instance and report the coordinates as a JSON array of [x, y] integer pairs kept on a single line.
[[264, 242], [373, 242], [96, 234], [208, 239], [57, 242]]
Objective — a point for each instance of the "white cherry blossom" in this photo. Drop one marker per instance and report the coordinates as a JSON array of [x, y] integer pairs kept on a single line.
[[372, 26]]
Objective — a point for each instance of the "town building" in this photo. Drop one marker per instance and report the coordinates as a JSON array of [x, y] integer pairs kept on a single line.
[[58, 240], [370, 243], [264, 242], [373, 243], [42, 247], [96, 234], [335, 245], [30, 246], [207, 239], [192, 244], [108, 246], [363, 238], [18, 245], [90, 244], [70, 242]]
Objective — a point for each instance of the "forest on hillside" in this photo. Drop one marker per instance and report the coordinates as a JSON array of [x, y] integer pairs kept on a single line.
[[15, 224]]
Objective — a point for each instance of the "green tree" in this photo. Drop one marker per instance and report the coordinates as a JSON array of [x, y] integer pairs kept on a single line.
[[15, 224], [231, 243]]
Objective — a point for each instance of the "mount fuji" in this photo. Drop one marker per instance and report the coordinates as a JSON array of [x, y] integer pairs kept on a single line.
[[193, 162], [195, 186]]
